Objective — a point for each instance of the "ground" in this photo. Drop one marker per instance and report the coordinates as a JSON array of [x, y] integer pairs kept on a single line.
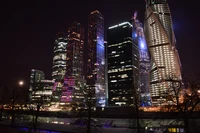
[[7, 129]]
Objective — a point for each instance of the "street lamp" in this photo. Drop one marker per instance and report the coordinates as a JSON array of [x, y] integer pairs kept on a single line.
[[21, 83]]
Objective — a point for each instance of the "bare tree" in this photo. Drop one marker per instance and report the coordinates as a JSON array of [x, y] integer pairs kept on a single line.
[[36, 108], [185, 99], [84, 115], [14, 95], [89, 102]]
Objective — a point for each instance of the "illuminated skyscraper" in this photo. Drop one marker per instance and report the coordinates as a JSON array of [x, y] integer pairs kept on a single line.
[[36, 76], [59, 59], [95, 62], [75, 47], [160, 38], [139, 38], [59, 66], [74, 78], [123, 65], [40, 88]]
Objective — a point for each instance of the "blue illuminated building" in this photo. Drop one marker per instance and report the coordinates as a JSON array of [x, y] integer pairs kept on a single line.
[[144, 67], [96, 56]]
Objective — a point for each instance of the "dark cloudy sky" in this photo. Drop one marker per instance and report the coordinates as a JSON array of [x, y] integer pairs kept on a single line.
[[28, 29]]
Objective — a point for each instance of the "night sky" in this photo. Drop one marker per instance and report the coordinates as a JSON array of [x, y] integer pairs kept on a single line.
[[29, 27]]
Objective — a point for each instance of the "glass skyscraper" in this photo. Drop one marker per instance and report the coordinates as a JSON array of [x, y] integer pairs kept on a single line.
[[165, 63], [74, 48], [96, 56], [123, 65], [59, 59], [36, 76], [40, 89], [144, 67], [74, 78], [59, 67]]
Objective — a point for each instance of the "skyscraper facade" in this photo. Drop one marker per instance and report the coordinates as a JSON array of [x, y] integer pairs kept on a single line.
[[36, 76], [95, 61], [74, 78], [165, 61], [59, 67], [123, 65], [75, 47], [59, 59], [40, 89], [144, 67]]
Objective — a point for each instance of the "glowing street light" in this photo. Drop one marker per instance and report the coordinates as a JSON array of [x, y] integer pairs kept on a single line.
[[21, 83], [198, 91]]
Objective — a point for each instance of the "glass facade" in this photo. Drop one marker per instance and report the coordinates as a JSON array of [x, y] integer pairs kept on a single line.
[[144, 67], [56, 94], [165, 61], [59, 59], [96, 55], [36, 76], [59, 67], [74, 79], [75, 46], [123, 65], [40, 88]]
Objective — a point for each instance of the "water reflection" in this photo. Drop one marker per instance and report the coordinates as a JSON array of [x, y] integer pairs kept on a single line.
[[39, 131]]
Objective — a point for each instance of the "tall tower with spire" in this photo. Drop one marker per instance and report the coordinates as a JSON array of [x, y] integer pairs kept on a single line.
[[144, 60], [165, 63]]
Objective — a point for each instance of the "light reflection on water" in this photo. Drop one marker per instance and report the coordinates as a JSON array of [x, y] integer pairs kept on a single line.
[[40, 131]]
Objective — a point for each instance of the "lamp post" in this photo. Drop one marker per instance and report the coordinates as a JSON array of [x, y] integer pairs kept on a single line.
[[21, 83]]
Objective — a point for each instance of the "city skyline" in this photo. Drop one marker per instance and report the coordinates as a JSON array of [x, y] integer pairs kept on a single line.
[[32, 48]]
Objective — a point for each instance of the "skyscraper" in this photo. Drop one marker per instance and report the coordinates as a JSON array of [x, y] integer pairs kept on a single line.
[[139, 38], [59, 66], [165, 63], [123, 65], [74, 79], [95, 61], [75, 47], [36, 76], [40, 89], [59, 59]]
